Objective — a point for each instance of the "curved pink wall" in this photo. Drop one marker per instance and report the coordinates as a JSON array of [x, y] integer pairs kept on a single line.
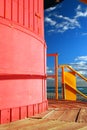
[[22, 59]]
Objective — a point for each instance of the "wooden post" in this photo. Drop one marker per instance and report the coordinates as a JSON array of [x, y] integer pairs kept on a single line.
[[63, 84], [56, 77]]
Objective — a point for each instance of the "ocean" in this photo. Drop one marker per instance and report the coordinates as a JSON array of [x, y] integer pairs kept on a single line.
[[51, 93]]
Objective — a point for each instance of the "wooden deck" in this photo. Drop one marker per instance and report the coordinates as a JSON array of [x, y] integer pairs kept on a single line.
[[61, 115]]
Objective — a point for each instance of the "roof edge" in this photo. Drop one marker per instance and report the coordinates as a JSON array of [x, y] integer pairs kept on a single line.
[[51, 3]]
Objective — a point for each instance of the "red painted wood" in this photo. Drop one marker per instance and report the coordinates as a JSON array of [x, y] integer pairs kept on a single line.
[[26, 14], [31, 15], [7, 9], [40, 109], [21, 12], [35, 16], [14, 10], [22, 59], [15, 114], [41, 13], [30, 110], [2, 8], [5, 116], [23, 112], [35, 109]]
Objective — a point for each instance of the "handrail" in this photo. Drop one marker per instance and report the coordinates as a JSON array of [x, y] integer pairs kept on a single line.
[[79, 92], [69, 67], [77, 73]]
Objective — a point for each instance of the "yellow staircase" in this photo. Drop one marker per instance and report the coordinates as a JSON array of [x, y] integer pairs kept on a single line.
[[69, 83]]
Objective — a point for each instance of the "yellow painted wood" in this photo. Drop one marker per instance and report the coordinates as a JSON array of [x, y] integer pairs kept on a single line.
[[70, 86], [69, 83]]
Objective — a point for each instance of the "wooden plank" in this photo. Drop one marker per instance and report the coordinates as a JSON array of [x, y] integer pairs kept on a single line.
[[82, 115], [56, 115], [70, 115]]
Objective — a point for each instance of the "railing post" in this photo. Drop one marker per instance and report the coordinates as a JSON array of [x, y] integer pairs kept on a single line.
[[63, 83], [56, 77]]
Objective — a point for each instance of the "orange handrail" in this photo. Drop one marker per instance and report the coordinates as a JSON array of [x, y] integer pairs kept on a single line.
[[70, 68], [75, 73], [79, 92]]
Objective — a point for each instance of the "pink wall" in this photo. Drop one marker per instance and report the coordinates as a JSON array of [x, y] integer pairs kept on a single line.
[[26, 13], [22, 59]]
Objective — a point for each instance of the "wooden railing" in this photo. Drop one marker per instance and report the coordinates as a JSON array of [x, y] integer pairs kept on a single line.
[[67, 87]]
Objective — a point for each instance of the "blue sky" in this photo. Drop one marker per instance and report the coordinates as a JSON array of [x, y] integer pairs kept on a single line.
[[66, 34]]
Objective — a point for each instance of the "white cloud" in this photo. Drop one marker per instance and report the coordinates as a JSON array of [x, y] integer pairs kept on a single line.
[[81, 58], [68, 23], [52, 30], [50, 21], [80, 12], [50, 9], [71, 21], [78, 8], [82, 72], [50, 70], [80, 65]]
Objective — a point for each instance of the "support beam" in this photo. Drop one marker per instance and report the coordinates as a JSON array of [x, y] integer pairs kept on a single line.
[[56, 77], [50, 76], [55, 54]]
